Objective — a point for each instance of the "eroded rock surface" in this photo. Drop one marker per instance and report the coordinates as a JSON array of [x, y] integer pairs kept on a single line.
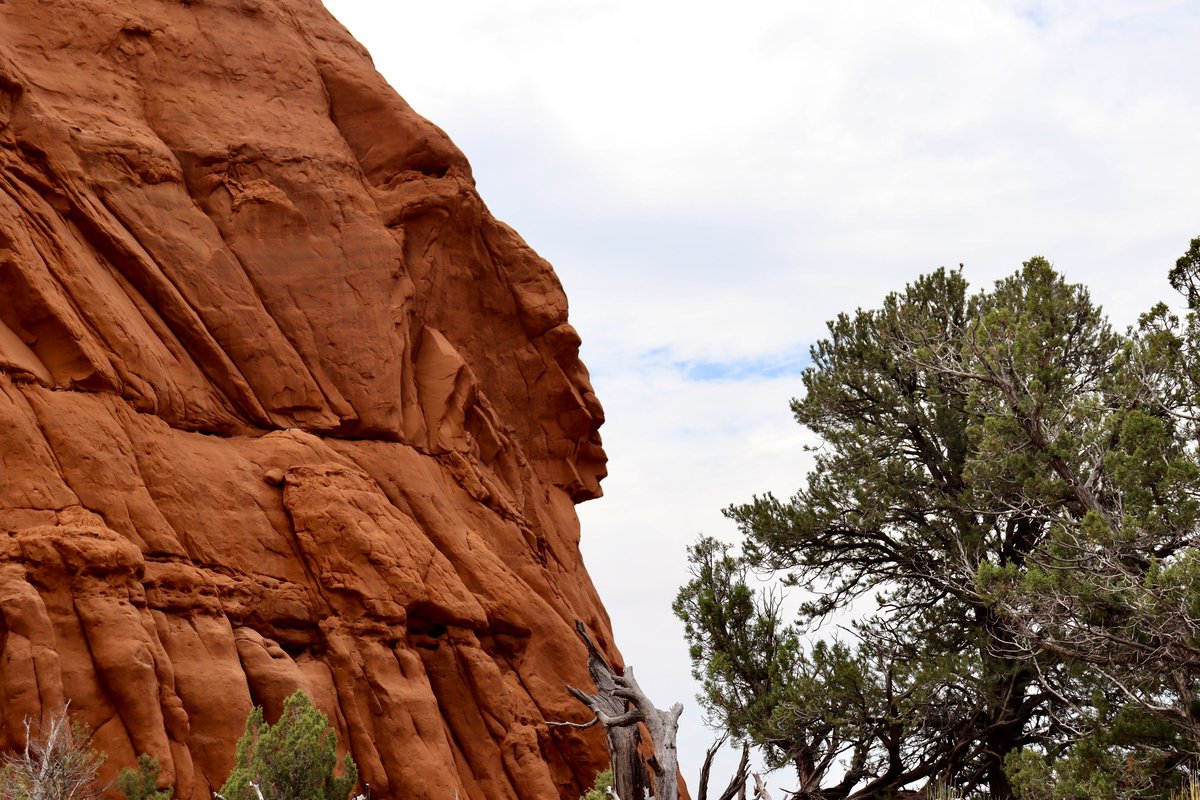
[[281, 406]]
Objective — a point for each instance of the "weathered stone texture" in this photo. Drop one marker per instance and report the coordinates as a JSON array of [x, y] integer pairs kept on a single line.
[[281, 406]]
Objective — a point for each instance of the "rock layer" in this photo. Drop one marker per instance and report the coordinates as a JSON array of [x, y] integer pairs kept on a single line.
[[281, 406]]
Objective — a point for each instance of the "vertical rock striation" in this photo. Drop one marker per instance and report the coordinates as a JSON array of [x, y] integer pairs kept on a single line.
[[281, 406]]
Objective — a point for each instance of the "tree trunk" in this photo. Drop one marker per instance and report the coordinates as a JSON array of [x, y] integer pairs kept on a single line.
[[611, 705]]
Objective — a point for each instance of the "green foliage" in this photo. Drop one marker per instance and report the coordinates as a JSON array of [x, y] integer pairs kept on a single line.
[[57, 763], [599, 790], [1185, 276], [899, 506], [1018, 488], [294, 759], [801, 706], [142, 783], [1095, 767]]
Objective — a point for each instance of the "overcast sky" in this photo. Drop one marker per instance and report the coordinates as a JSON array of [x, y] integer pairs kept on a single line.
[[713, 182]]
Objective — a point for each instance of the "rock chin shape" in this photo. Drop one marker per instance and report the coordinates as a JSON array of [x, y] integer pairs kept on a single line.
[[281, 407]]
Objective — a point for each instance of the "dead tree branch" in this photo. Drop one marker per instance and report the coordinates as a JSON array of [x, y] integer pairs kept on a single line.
[[621, 705], [737, 783], [629, 776]]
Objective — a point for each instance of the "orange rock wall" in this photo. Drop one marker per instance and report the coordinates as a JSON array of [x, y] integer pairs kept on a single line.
[[281, 406]]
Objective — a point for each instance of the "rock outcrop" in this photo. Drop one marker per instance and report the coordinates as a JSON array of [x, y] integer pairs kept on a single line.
[[281, 406]]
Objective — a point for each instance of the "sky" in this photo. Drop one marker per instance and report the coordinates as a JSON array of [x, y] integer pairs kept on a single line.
[[712, 183]]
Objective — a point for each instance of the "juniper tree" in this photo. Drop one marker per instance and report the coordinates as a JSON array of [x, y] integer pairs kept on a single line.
[[1116, 592], [956, 429], [294, 759]]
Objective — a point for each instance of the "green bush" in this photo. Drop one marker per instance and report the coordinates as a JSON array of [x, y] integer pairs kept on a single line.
[[142, 783], [599, 790], [294, 759]]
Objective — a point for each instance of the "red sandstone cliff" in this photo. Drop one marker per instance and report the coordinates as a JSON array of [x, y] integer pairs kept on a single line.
[[281, 406]]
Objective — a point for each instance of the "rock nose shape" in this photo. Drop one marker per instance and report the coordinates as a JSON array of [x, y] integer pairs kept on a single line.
[[282, 406]]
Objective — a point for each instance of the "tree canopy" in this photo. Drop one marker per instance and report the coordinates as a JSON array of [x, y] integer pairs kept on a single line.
[[1012, 490]]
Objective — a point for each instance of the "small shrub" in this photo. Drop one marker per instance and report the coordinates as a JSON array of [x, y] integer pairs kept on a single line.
[[294, 759], [599, 790], [142, 783], [58, 763]]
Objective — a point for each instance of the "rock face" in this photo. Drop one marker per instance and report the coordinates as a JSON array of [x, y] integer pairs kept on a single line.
[[281, 406]]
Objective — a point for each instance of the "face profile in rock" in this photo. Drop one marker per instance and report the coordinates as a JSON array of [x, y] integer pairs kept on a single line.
[[282, 406]]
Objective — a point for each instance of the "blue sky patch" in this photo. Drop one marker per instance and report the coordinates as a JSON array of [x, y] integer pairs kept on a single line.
[[741, 369]]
